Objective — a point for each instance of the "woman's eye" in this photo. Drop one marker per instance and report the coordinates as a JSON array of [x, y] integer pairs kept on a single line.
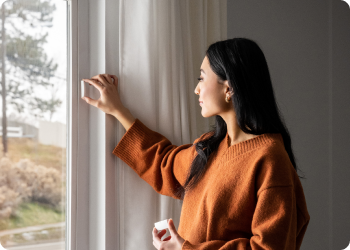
[[199, 79]]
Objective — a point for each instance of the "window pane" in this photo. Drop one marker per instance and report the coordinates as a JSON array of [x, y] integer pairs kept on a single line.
[[33, 60]]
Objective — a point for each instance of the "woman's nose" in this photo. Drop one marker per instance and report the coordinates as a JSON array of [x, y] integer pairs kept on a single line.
[[196, 90]]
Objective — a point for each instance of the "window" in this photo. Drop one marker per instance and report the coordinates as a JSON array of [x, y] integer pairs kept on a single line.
[[33, 157]]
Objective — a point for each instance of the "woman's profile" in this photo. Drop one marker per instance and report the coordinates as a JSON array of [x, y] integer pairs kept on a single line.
[[238, 182]]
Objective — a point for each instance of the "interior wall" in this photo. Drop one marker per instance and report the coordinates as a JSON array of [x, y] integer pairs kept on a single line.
[[307, 47], [340, 124]]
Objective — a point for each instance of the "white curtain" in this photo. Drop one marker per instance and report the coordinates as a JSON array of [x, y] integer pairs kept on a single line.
[[156, 48]]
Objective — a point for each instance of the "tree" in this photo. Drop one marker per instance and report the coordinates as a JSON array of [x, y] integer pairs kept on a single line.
[[25, 62]]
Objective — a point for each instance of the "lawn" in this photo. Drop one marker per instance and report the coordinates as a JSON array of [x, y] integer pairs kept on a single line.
[[32, 214]]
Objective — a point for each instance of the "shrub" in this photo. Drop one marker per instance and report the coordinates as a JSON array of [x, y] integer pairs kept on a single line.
[[26, 182], [9, 201]]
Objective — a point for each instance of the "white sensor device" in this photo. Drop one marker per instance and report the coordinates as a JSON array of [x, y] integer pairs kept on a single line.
[[84, 86], [160, 225], [86, 89]]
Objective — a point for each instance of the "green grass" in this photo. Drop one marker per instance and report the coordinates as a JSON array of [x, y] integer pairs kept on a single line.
[[32, 214]]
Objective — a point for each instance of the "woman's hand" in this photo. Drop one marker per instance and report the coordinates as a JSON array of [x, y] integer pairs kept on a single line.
[[109, 101], [172, 242]]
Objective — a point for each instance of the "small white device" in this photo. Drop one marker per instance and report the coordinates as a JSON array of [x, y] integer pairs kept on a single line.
[[84, 87], [160, 225], [88, 90]]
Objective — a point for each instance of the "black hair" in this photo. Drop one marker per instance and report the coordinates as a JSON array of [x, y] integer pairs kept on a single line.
[[243, 64]]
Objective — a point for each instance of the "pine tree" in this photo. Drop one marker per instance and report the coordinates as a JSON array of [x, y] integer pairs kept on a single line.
[[25, 60]]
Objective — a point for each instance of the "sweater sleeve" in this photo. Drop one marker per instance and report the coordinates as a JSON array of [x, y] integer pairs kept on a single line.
[[154, 158], [274, 225]]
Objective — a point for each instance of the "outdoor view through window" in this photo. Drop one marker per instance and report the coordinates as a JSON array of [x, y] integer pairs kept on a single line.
[[33, 69]]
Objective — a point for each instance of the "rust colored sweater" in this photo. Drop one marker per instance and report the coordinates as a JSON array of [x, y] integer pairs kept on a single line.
[[250, 196]]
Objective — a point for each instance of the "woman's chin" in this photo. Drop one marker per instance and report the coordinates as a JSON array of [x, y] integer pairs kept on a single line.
[[205, 115]]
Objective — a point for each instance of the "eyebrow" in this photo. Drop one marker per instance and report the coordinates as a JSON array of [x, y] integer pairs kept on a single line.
[[202, 71]]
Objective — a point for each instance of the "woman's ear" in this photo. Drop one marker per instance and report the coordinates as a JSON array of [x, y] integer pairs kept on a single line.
[[228, 89]]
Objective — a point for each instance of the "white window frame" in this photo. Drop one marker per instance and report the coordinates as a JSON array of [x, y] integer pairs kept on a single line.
[[91, 213]]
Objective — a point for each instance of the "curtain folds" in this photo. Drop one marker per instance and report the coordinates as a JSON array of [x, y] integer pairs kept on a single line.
[[160, 47]]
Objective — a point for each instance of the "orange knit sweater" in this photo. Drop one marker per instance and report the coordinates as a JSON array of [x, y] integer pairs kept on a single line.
[[250, 196]]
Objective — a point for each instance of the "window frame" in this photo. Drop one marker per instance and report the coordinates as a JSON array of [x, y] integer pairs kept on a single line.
[[91, 214], [77, 224]]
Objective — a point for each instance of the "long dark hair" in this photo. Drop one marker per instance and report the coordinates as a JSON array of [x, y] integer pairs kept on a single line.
[[243, 64]]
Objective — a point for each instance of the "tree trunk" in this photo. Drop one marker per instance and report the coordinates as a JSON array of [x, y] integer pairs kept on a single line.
[[3, 82]]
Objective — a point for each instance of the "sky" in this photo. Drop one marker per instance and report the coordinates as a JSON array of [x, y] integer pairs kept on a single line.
[[57, 49]]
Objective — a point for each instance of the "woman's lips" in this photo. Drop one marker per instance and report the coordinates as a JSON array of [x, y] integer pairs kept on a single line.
[[200, 103]]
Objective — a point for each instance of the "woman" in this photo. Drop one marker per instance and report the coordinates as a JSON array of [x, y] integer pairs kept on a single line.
[[238, 182]]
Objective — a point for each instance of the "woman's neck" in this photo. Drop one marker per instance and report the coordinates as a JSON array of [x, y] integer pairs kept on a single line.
[[235, 133]]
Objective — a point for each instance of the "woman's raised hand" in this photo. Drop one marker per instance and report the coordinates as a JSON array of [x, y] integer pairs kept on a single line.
[[109, 101]]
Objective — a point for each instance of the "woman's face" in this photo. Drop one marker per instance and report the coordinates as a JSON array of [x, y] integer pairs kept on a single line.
[[211, 93]]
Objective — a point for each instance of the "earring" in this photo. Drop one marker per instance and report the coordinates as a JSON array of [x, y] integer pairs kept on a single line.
[[227, 99]]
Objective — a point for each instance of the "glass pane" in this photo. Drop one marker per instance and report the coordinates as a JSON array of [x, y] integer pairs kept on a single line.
[[33, 69]]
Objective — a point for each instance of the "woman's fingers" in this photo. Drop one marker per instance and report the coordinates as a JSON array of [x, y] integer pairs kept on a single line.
[[157, 237], [94, 83], [90, 101], [109, 79], [115, 79], [160, 234], [109, 101], [101, 79], [167, 238]]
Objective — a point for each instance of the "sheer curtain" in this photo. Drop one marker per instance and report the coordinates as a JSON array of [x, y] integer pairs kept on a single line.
[[155, 48]]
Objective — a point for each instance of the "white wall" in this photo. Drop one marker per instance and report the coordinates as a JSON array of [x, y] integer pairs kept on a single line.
[[307, 47], [52, 133]]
